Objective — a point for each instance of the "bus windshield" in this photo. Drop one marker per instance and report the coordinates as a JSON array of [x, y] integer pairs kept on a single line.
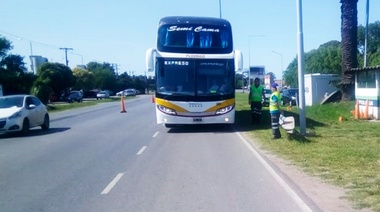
[[191, 38], [194, 79]]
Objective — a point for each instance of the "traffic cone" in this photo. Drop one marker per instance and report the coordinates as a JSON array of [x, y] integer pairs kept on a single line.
[[122, 105], [356, 115], [153, 99]]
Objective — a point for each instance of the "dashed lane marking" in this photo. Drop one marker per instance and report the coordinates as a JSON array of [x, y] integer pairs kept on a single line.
[[112, 183]]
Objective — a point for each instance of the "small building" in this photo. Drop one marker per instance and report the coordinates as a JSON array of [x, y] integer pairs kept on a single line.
[[367, 88], [318, 86], [36, 61]]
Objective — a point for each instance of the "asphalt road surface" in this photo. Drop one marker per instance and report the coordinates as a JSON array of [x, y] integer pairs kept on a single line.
[[98, 159]]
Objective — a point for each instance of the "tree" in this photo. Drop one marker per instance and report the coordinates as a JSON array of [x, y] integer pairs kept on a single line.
[[104, 75], [5, 46], [326, 60], [57, 76], [373, 44], [13, 75], [84, 79], [349, 32]]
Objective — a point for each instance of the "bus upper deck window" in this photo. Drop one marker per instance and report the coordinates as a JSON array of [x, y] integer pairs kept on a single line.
[[190, 39], [224, 39], [205, 39]]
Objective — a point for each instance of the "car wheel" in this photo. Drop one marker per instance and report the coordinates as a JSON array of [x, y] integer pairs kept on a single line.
[[46, 124], [25, 126]]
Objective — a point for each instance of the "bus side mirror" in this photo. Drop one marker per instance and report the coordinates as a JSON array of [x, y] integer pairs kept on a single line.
[[149, 56], [238, 61]]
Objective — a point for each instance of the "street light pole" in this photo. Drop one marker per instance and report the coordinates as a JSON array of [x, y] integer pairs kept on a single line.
[[220, 8], [66, 49], [366, 33], [301, 83]]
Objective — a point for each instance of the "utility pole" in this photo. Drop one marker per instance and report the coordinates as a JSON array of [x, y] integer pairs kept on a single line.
[[66, 49]]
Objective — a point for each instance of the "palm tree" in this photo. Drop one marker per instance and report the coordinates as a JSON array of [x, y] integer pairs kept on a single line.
[[349, 29]]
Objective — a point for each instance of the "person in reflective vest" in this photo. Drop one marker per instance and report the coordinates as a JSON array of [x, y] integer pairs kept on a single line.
[[256, 95], [274, 109]]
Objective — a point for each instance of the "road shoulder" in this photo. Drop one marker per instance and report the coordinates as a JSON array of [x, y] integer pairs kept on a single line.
[[326, 196]]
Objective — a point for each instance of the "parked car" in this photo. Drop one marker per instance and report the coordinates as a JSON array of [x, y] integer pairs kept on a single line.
[[267, 93], [289, 96], [102, 95], [73, 96], [19, 113], [127, 92], [110, 93], [90, 94]]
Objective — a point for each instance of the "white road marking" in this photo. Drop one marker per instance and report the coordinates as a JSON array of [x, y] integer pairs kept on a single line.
[[282, 183], [112, 183], [141, 150], [155, 134]]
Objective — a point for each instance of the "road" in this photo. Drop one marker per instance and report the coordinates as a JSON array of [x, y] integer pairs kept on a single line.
[[98, 159]]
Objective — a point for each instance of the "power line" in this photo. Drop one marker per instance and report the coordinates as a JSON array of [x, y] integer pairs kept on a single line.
[[28, 40]]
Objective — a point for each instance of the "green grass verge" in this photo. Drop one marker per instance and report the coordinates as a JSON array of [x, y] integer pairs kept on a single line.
[[345, 153], [61, 106]]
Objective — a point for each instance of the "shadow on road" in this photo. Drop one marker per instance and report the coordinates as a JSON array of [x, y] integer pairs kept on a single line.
[[35, 132]]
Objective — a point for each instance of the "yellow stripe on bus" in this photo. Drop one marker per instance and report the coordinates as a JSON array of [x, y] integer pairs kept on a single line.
[[170, 105], [221, 105], [177, 108]]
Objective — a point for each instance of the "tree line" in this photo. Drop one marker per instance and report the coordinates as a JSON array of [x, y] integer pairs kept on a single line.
[[56, 79], [327, 59]]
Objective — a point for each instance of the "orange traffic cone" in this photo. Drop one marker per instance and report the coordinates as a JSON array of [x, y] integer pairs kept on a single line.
[[153, 99], [122, 105], [356, 115]]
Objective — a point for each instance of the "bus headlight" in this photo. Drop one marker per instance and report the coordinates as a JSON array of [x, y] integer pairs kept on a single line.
[[224, 110], [166, 110]]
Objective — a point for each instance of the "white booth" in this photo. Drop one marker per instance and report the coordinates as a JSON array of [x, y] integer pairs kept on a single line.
[[367, 90], [318, 86]]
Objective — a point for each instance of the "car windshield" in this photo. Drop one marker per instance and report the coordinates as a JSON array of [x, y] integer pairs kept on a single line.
[[8, 102]]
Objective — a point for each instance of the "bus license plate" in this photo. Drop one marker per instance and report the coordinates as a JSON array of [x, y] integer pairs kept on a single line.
[[197, 119]]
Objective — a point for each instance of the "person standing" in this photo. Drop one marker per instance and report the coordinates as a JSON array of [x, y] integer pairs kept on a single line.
[[274, 109], [255, 97]]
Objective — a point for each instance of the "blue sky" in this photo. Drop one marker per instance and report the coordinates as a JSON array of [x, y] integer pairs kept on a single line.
[[120, 31]]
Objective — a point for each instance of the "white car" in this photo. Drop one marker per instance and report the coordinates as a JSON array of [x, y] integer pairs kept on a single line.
[[127, 92], [102, 95], [19, 113]]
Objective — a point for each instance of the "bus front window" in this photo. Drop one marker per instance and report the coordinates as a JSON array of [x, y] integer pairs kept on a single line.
[[175, 77], [214, 78]]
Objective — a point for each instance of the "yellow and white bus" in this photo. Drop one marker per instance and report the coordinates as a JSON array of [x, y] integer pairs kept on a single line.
[[194, 64]]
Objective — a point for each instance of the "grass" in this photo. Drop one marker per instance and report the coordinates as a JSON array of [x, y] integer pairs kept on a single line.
[[61, 106], [344, 153]]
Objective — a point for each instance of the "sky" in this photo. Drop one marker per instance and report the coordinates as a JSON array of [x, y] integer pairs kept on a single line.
[[120, 31]]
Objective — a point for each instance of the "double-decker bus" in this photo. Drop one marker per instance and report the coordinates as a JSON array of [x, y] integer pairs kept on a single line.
[[194, 64]]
